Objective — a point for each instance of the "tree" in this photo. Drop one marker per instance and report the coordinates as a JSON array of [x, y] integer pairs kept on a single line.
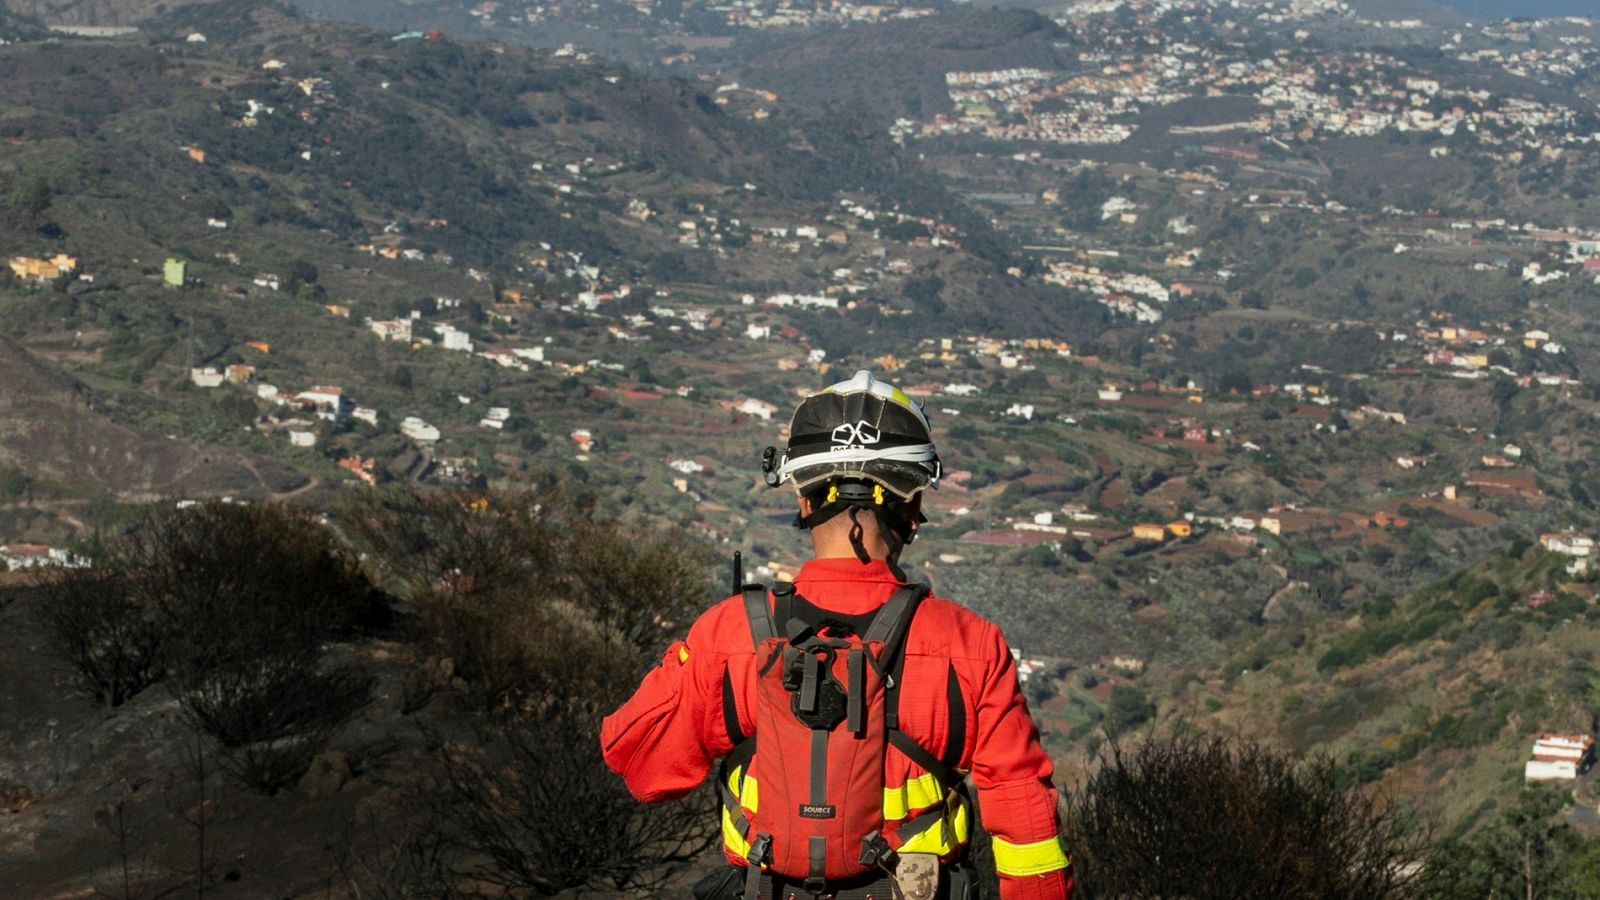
[[301, 272], [924, 291], [1236, 381], [33, 198], [1204, 816], [1129, 708], [1527, 852]]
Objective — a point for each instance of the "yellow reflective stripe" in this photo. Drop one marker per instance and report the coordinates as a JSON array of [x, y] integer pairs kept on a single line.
[[750, 795], [749, 798], [1036, 858], [943, 839], [917, 793]]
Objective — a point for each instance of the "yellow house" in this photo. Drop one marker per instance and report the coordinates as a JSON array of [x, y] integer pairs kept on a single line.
[[1153, 533], [28, 267], [1180, 529]]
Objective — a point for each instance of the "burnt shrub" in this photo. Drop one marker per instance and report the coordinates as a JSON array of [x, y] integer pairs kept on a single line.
[[530, 805], [546, 611], [247, 596], [101, 626], [503, 584], [1204, 816], [231, 604]]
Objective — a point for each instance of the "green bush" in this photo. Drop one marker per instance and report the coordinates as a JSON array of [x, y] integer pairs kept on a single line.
[[1129, 708]]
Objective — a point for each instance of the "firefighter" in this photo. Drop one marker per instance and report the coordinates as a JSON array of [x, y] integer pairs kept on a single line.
[[899, 703]]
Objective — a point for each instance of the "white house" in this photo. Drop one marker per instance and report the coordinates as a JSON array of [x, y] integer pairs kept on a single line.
[[207, 377], [329, 402], [391, 329], [418, 430], [452, 338], [1569, 543], [1559, 757], [758, 408], [17, 557]]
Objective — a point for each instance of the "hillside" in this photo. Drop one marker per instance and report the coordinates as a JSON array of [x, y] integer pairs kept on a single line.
[[290, 165], [1434, 697], [898, 68], [344, 156], [93, 13], [61, 433]]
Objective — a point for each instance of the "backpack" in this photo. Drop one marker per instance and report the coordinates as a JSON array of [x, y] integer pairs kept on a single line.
[[826, 711]]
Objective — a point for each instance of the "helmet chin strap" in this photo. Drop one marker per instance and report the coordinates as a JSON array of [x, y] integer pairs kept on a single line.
[[856, 543], [896, 525]]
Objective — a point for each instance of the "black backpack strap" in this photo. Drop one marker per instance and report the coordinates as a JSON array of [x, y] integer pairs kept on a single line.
[[943, 767], [949, 777], [894, 619], [956, 744], [730, 712], [759, 614]]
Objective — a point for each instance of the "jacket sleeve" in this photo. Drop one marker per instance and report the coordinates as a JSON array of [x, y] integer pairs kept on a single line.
[[1017, 800], [663, 740]]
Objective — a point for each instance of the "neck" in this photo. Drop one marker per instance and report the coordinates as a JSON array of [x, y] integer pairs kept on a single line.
[[831, 540]]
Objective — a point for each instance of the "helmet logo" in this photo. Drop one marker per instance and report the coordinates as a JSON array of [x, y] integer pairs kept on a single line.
[[855, 435]]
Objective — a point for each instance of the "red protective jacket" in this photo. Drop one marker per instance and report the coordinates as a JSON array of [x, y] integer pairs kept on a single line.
[[666, 738]]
